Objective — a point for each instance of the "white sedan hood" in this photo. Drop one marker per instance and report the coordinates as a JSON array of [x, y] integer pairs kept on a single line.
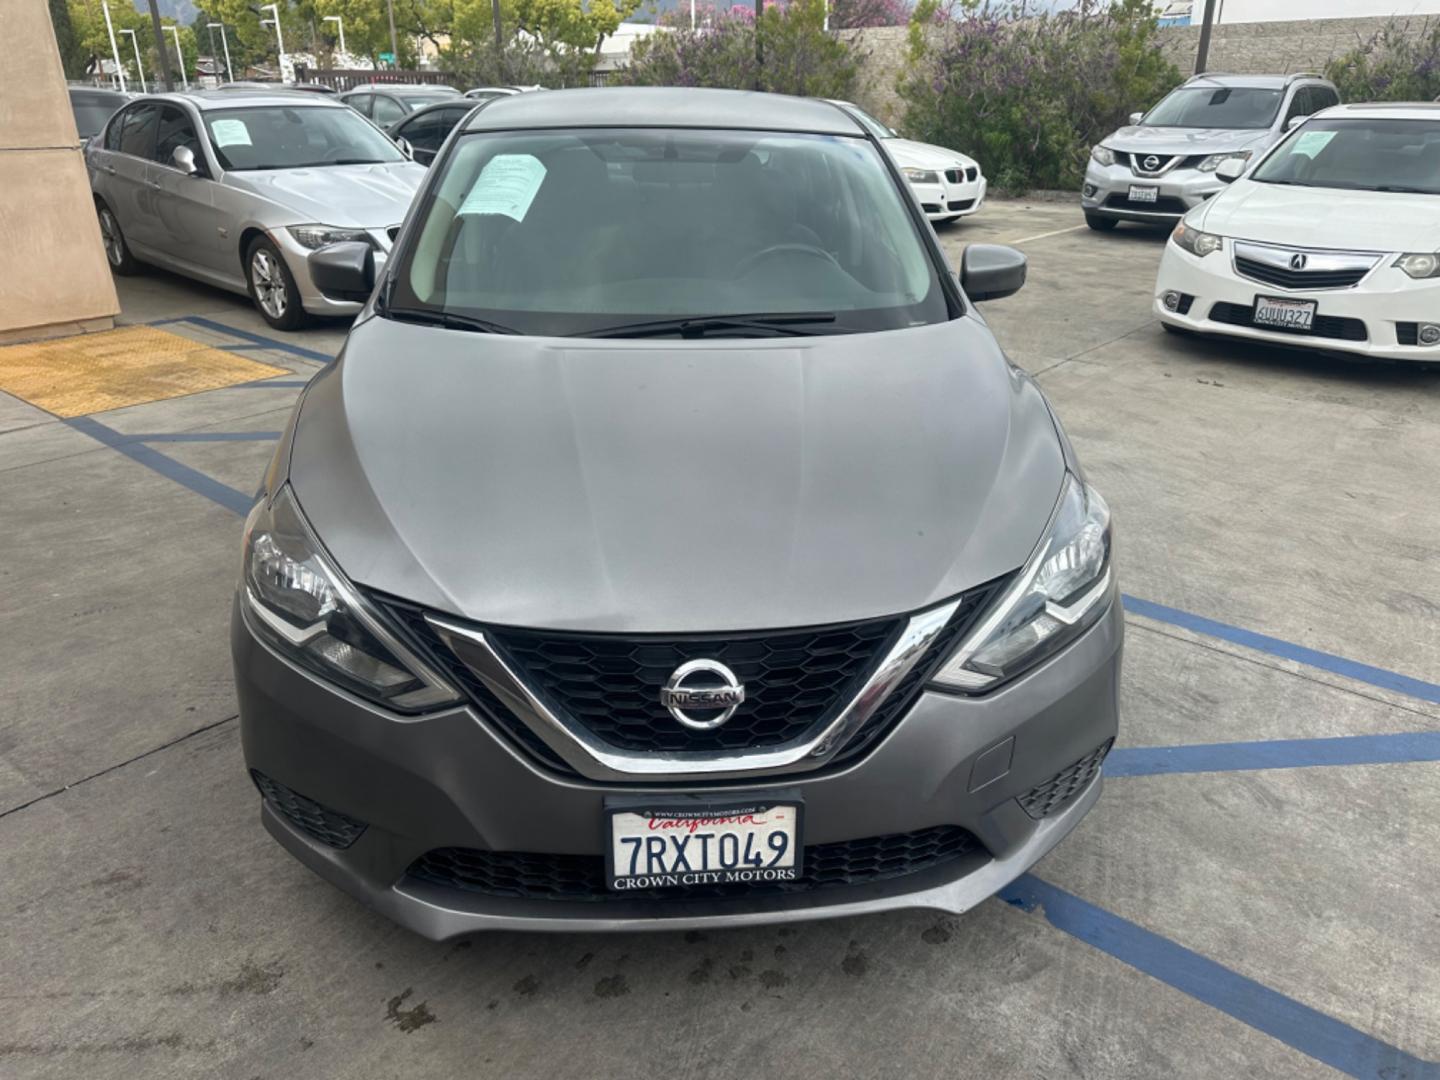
[[918, 155], [1324, 217]]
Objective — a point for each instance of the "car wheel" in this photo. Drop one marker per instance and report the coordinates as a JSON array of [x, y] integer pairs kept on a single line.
[[1100, 224], [272, 286], [117, 252]]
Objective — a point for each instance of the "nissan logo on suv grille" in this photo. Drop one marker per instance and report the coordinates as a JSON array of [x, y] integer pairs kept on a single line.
[[704, 686]]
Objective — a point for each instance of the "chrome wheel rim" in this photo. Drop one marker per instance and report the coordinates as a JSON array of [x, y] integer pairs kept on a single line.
[[110, 234], [268, 281]]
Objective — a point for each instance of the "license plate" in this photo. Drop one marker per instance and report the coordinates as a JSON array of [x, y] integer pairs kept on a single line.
[[674, 846], [1143, 194], [1283, 313]]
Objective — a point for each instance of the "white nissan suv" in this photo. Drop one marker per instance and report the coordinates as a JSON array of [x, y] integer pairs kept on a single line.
[[1329, 241]]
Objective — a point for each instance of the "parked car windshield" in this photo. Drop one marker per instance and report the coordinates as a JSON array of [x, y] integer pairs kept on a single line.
[[415, 100], [92, 110], [561, 232], [1216, 107], [295, 136], [1363, 154]]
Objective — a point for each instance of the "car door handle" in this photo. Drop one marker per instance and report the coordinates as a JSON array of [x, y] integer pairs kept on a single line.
[[154, 183], [109, 169]]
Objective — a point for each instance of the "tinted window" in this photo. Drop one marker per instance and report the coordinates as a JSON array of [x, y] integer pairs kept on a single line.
[[295, 136], [138, 135], [177, 130], [572, 232], [428, 131], [387, 110], [415, 99], [359, 102], [92, 110], [1216, 107], [1324, 97], [1366, 155], [1300, 104]]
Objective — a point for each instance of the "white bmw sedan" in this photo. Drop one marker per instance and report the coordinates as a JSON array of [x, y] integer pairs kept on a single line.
[[947, 184], [1328, 242]]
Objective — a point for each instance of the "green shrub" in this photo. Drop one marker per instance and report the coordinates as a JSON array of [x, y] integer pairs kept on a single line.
[[1400, 62], [1028, 95]]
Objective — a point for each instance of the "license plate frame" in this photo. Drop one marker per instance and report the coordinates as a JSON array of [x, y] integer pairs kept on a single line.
[[1143, 193], [701, 815], [1303, 310]]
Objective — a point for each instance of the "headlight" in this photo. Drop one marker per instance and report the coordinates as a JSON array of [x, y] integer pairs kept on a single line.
[[921, 176], [1194, 241], [301, 604], [1211, 163], [1420, 265], [318, 236], [1103, 154], [1061, 592]]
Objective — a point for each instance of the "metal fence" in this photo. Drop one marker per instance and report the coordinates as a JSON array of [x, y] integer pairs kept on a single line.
[[345, 79]]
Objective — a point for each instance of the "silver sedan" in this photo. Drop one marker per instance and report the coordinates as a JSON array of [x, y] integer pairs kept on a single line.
[[237, 188]]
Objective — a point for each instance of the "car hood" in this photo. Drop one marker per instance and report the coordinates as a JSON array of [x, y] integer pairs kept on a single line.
[[357, 196], [1325, 217], [666, 486], [1163, 140], [920, 155]]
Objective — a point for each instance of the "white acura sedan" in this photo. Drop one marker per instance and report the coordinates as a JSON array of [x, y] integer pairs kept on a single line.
[[947, 184], [1329, 241]]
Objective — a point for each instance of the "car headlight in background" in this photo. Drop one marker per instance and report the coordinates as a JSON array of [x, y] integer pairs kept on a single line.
[[318, 236], [1419, 265], [1061, 592], [1211, 163], [1194, 241], [1103, 154], [921, 176], [299, 602]]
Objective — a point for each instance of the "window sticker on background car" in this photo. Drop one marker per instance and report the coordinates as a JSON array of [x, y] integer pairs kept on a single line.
[[507, 185], [1311, 143], [230, 133]]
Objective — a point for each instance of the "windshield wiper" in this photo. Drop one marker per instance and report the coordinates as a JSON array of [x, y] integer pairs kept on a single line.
[[352, 161], [448, 319], [1400, 189], [789, 323]]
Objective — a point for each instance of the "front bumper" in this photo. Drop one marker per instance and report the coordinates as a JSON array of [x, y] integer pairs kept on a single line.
[[1383, 304], [449, 780], [946, 201], [312, 299], [1107, 189]]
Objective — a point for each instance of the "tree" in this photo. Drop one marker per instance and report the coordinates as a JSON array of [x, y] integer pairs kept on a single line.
[[87, 23], [564, 35], [72, 54]]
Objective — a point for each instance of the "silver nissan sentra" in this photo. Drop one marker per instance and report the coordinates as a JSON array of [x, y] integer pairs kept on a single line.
[[672, 545]]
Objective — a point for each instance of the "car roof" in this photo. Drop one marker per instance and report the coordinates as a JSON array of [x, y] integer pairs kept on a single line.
[[1382, 110], [237, 97], [1256, 82], [404, 89], [101, 92], [657, 106]]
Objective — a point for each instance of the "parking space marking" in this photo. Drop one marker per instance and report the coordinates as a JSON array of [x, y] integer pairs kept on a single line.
[[1339, 665], [204, 436], [1298, 1026], [1046, 235], [1393, 749], [258, 340]]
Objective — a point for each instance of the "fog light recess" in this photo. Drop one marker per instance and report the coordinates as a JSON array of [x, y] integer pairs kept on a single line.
[[1429, 334], [1171, 300]]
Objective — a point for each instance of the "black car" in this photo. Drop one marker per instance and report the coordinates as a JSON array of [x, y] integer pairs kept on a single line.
[[92, 106], [425, 128], [388, 103]]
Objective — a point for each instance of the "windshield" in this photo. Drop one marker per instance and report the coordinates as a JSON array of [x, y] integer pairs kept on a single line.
[[295, 137], [417, 100], [1362, 154], [578, 232], [1216, 107]]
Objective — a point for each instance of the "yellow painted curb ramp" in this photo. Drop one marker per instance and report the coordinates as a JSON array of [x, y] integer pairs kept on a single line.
[[91, 373]]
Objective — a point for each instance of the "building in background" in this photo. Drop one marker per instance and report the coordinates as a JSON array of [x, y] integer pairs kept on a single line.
[[1188, 12]]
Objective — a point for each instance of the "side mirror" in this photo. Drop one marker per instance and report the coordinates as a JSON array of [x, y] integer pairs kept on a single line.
[[1294, 122], [1136, 117], [344, 271], [405, 147], [1230, 170], [991, 271], [184, 159]]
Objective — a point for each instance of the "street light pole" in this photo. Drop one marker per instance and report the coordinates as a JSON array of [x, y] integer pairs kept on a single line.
[[156, 29], [394, 45], [1202, 53], [114, 49], [224, 41], [339, 25], [180, 55], [139, 66], [274, 9]]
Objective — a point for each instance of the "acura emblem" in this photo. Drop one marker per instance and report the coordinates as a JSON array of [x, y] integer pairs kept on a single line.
[[706, 687], [1151, 163], [1297, 261]]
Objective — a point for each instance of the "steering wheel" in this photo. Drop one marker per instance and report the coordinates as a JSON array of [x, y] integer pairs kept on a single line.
[[744, 265]]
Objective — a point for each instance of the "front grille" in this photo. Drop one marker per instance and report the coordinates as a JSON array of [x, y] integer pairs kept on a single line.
[[1298, 279], [610, 683], [1139, 163], [536, 876], [1183, 307], [962, 176], [1322, 326], [930, 207], [960, 204], [1164, 204], [318, 822], [1065, 786]]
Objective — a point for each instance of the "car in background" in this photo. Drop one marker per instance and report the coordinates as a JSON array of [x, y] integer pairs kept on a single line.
[[236, 188], [385, 103], [92, 106], [1163, 165], [948, 184], [1330, 242], [489, 93], [422, 132], [313, 88]]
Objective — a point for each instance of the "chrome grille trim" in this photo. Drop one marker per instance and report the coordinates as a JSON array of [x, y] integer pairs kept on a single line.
[[1332, 268]]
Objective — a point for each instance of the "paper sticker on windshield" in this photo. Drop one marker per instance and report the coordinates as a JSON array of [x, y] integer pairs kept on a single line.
[[507, 185], [230, 133], [1311, 143]]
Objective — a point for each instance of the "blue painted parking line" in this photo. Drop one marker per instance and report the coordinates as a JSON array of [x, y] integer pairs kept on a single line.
[[194, 479], [1274, 754], [266, 385], [1339, 665], [204, 436], [258, 340], [1307, 1030]]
